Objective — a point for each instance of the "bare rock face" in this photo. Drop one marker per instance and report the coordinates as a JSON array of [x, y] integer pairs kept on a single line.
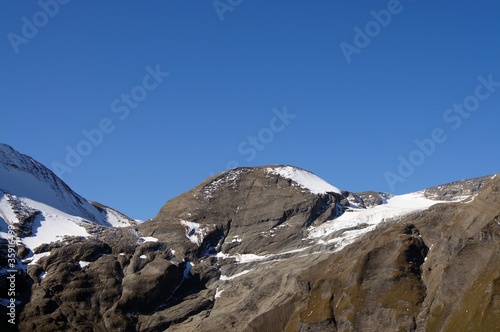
[[245, 210], [372, 198], [86, 285], [462, 272], [458, 190]]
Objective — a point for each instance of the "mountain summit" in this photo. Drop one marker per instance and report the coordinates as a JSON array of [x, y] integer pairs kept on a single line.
[[270, 207], [272, 248], [42, 206]]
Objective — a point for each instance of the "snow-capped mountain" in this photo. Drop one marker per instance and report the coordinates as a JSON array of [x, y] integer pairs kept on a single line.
[[272, 248], [41, 206]]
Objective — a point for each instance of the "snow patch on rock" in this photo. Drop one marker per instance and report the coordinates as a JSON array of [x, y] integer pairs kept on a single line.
[[303, 178], [226, 278], [52, 225], [194, 232], [83, 264], [227, 179], [34, 259], [218, 293], [353, 224], [149, 239]]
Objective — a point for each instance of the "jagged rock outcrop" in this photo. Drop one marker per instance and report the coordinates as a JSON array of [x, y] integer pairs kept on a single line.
[[458, 190], [372, 198]]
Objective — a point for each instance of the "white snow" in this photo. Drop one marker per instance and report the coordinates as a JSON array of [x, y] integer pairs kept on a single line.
[[83, 264], [6, 211], [218, 293], [52, 225], [303, 178], [31, 186], [225, 278], [143, 257], [24, 177], [294, 251], [42, 275], [193, 232], [115, 219], [222, 255], [36, 257], [247, 258], [235, 239], [149, 239], [352, 225]]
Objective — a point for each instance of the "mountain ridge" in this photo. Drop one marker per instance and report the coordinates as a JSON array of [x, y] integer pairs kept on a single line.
[[272, 247], [42, 207]]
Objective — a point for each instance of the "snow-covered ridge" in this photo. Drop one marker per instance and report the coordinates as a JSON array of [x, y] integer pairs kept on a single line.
[[22, 176], [35, 198], [303, 178]]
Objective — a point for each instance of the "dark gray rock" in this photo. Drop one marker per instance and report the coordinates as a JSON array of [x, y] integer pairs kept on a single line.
[[458, 190], [372, 198]]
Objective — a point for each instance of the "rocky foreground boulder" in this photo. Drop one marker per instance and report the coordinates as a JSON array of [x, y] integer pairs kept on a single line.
[[276, 249]]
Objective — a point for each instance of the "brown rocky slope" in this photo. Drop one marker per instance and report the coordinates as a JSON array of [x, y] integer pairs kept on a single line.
[[436, 270], [233, 254]]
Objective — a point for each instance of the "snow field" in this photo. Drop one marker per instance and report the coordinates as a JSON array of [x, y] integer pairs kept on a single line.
[[351, 225]]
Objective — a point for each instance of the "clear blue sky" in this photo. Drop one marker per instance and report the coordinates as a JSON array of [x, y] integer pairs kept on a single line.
[[348, 122]]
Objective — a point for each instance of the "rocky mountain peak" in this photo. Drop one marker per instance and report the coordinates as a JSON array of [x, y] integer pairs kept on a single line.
[[253, 249], [296, 177], [247, 210]]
